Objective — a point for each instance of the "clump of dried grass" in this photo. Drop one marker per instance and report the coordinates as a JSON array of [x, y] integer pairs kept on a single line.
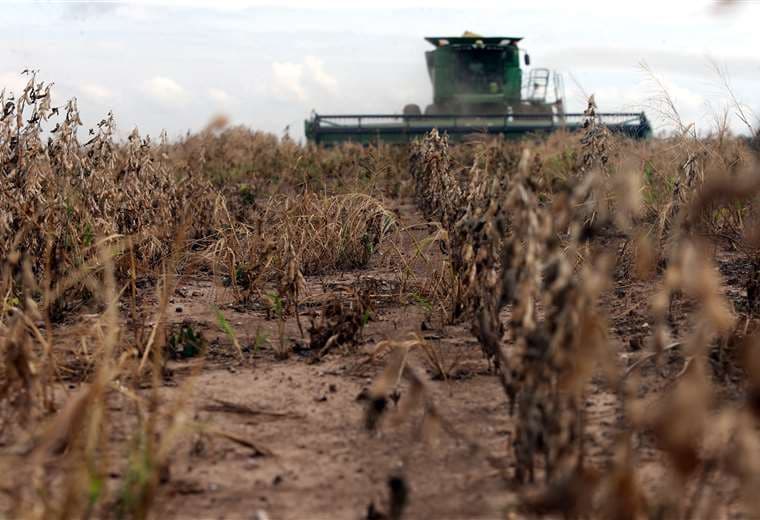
[[308, 233], [340, 322], [341, 232]]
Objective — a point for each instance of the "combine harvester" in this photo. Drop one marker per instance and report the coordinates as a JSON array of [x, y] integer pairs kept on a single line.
[[478, 88]]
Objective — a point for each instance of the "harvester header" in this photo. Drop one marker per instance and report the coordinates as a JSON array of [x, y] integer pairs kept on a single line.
[[478, 88]]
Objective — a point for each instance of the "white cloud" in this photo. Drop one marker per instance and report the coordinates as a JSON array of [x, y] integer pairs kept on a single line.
[[165, 90], [95, 91], [320, 75], [220, 96], [298, 80], [288, 80], [85, 10]]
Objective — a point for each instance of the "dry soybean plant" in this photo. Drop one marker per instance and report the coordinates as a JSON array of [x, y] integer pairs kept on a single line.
[[515, 247], [78, 220], [60, 196]]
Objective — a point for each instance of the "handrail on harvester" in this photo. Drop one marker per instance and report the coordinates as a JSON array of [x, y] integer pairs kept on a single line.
[[437, 116], [505, 117]]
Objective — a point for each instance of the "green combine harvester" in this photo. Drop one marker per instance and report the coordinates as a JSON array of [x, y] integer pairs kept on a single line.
[[478, 88]]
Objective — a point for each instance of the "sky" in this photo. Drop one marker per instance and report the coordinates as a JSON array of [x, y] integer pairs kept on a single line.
[[174, 65]]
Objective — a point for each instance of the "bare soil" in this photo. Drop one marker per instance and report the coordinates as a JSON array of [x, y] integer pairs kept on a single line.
[[297, 446]]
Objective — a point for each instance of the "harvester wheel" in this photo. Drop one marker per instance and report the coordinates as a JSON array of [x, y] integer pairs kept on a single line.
[[412, 110], [432, 110]]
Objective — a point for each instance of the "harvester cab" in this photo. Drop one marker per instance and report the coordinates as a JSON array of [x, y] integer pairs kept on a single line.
[[478, 88], [473, 75]]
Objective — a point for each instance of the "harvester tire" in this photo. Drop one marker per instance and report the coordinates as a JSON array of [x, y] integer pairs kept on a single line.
[[432, 110], [412, 110]]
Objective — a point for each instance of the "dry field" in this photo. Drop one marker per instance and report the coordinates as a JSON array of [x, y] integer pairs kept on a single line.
[[237, 326]]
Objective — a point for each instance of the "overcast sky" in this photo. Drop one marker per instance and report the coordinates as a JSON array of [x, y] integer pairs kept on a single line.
[[174, 64]]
